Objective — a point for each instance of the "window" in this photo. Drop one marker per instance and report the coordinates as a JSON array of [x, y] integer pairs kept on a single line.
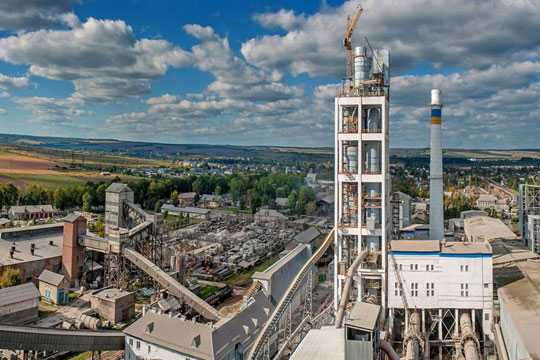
[[461, 268], [427, 267], [464, 290], [415, 266], [149, 348], [131, 342], [414, 289], [411, 267], [400, 267], [486, 285], [432, 267], [466, 267], [486, 316], [138, 345]]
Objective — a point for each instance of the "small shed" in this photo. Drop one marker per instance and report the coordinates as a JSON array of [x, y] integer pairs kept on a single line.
[[116, 305], [361, 332], [53, 287], [19, 304]]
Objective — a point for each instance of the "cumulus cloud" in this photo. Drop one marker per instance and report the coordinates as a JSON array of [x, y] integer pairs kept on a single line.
[[23, 15], [460, 33], [7, 82], [47, 110], [285, 19], [102, 57]]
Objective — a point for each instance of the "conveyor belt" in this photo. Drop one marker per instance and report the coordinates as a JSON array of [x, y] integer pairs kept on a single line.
[[266, 332], [47, 339], [172, 286]]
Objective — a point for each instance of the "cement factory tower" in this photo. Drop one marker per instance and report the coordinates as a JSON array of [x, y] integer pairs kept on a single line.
[[362, 177], [436, 215]]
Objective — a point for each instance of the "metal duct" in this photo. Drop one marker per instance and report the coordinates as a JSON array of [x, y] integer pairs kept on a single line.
[[347, 287], [387, 348], [469, 341], [412, 340]]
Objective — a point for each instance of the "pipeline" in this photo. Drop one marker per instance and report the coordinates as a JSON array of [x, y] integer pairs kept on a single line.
[[412, 340], [347, 288], [388, 350], [468, 338]]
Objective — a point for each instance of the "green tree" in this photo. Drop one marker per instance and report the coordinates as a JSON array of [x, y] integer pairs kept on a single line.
[[87, 201], [10, 277]]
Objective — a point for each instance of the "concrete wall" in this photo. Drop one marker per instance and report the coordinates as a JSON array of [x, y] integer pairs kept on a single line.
[[115, 310], [514, 346], [19, 313], [137, 349], [30, 270], [447, 277]]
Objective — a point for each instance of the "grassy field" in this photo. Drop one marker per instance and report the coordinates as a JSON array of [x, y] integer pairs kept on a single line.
[[244, 278]]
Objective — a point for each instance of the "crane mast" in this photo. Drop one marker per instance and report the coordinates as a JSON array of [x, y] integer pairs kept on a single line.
[[347, 40]]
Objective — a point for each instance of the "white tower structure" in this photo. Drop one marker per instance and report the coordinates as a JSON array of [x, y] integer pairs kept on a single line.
[[436, 215], [362, 211]]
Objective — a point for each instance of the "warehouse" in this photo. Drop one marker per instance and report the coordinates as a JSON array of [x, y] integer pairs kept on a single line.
[[32, 249], [484, 228], [19, 304]]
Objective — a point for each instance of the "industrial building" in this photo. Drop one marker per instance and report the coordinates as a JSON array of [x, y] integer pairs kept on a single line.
[[276, 279], [31, 212], [485, 228], [53, 287], [115, 305], [169, 336], [440, 281], [404, 208], [528, 204], [32, 249], [533, 233], [19, 304], [362, 177]]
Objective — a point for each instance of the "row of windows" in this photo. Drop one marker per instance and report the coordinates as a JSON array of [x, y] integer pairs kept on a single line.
[[414, 267], [430, 289], [138, 345], [431, 267]]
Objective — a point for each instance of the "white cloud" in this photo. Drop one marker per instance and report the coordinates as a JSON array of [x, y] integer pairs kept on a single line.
[[439, 33], [20, 15], [102, 57], [3, 111], [285, 19]]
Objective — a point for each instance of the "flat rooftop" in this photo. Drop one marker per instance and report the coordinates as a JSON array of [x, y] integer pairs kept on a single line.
[[436, 246], [364, 315], [485, 228], [325, 343], [522, 301], [111, 294], [43, 249]]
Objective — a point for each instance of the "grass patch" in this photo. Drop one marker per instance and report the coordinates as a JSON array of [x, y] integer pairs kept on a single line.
[[207, 291], [82, 356], [243, 278]]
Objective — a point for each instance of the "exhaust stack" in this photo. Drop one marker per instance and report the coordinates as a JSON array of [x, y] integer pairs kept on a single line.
[[436, 215]]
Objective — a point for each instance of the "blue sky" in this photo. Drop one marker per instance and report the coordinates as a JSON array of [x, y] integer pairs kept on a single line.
[[254, 72]]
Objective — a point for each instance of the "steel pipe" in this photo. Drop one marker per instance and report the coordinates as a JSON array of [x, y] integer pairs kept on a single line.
[[347, 287], [468, 338]]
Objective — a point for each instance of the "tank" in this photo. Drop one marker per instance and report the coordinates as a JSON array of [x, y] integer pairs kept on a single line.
[[362, 65], [372, 159], [351, 157], [374, 119]]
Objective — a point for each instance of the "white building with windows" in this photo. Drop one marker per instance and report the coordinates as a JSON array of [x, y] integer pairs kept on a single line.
[[442, 279]]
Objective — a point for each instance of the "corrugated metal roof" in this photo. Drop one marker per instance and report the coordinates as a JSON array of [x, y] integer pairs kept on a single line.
[[307, 236], [51, 278], [19, 293], [364, 315]]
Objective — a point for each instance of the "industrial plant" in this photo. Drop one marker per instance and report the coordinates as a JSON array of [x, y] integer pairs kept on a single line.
[[198, 279]]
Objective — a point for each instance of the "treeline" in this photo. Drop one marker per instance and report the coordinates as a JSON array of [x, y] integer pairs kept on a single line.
[[248, 191]]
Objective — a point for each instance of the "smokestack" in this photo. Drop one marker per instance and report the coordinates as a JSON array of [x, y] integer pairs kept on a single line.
[[436, 215]]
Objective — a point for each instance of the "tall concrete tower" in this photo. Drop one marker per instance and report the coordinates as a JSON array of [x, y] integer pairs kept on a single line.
[[436, 215], [362, 181]]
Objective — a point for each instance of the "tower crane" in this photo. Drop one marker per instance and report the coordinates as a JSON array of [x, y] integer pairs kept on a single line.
[[347, 39]]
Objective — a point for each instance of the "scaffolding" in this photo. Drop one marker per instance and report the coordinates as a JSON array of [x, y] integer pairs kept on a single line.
[[349, 216]]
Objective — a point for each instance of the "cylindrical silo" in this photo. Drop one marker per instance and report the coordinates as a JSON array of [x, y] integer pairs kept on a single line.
[[362, 65], [374, 119], [351, 156], [436, 214]]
